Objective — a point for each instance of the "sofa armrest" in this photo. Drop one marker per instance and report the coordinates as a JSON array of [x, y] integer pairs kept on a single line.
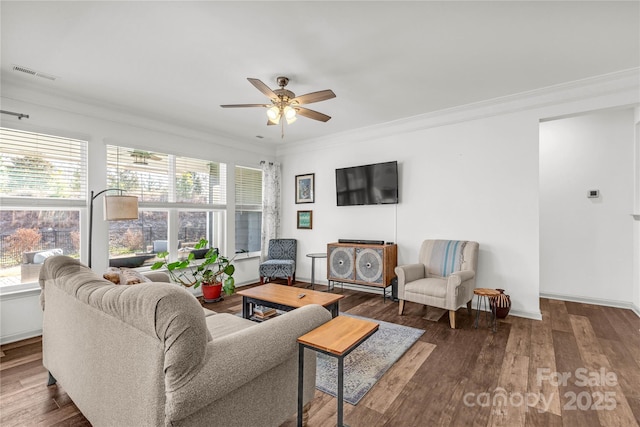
[[236, 359]]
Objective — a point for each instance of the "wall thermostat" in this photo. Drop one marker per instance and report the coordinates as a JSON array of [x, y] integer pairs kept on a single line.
[[593, 194]]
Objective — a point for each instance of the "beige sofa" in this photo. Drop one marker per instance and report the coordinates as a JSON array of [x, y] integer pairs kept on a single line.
[[146, 354]]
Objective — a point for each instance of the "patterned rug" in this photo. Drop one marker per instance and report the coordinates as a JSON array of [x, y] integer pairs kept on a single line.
[[365, 365]]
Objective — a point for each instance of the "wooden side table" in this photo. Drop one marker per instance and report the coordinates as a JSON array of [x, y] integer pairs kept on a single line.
[[337, 338], [484, 296]]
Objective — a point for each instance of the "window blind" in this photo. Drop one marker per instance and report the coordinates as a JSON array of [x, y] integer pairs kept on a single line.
[[39, 166], [200, 181], [248, 189], [159, 179]]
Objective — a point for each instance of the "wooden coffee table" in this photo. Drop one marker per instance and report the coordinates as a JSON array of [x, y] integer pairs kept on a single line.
[[286, 298]]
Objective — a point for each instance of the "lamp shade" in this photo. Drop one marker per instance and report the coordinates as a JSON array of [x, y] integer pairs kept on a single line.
[[118, 208]]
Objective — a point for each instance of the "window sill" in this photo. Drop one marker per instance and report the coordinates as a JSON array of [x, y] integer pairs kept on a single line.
[[246, 255], [19, 291]]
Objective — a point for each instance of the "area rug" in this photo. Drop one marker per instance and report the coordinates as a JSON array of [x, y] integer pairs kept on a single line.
[[365, 365]]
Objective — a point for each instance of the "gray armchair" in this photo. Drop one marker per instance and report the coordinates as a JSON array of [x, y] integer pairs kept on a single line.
[[444, 277], [281, 261]]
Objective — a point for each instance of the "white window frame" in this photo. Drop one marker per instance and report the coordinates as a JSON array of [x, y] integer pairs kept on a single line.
[[79, 204]]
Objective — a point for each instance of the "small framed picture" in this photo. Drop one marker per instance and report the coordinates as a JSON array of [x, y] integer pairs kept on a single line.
[[305, 188], [305, 219]]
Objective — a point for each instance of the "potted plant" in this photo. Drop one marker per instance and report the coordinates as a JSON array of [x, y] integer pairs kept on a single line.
[[214, 273]]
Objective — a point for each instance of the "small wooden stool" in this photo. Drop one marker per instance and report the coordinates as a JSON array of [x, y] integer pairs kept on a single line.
[[485, 295]]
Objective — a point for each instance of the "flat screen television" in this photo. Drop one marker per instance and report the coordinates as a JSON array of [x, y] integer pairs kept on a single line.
[[375, 184]]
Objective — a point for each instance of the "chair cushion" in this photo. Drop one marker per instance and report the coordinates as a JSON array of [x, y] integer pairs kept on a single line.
[[446, 257], [432, 287], [277, 268]]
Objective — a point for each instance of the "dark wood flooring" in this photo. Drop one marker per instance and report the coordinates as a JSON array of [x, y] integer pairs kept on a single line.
[[579, 366]]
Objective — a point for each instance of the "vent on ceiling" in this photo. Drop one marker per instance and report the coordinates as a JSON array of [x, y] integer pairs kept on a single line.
[[33, 72]]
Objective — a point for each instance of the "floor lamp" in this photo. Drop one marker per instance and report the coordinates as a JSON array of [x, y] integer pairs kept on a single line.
[[116, 208]]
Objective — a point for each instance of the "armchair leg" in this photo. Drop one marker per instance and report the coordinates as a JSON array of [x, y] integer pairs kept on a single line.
[[469, 308], [51, 380], [401, 307], [261, 280], [452, 319], [289, 281]]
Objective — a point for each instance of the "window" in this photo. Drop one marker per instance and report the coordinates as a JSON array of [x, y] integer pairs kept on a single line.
[[42, 189], [193, 191], [248, 209]]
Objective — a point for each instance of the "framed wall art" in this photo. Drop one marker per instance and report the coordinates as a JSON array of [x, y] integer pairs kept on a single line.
[[305, 188], [305, 219]]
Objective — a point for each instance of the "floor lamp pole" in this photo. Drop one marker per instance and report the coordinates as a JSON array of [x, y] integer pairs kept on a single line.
[[93, 197]]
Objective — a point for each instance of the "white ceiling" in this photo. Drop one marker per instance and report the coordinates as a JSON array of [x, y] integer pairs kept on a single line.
[[178, 61]]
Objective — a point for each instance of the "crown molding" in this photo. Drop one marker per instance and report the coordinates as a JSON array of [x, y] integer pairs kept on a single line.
[[625, 83]]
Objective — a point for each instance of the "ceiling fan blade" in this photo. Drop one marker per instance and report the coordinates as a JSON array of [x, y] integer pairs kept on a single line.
[[263, 88], [271, 123], [312, 114], [314, 97], [244, 105]]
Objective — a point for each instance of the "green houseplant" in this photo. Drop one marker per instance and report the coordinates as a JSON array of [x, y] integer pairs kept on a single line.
[[214, 273]]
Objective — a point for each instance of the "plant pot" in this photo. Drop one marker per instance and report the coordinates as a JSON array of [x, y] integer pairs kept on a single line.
[[211, 292], [502, 304]]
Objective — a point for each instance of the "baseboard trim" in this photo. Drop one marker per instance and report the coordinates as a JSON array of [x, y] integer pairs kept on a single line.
[[595, 301], [533, 315], [20, 336]]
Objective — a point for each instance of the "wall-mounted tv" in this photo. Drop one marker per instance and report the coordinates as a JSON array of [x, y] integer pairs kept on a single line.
[[375, 184]]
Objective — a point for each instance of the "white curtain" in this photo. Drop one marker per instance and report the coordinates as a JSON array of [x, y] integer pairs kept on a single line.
[[270, 205]]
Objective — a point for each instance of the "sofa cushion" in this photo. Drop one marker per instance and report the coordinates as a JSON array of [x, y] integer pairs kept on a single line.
[[433, 287], [223, 324]]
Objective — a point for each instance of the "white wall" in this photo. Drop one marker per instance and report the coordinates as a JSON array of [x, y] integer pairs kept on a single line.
[[587, 244], [475, 180], [20, 316]]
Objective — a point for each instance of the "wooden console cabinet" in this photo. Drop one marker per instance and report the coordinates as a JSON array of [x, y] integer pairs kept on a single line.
[[362, 264]]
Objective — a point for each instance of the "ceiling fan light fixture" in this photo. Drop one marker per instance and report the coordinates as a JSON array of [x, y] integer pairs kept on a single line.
[[289, 113], [273, 113]]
